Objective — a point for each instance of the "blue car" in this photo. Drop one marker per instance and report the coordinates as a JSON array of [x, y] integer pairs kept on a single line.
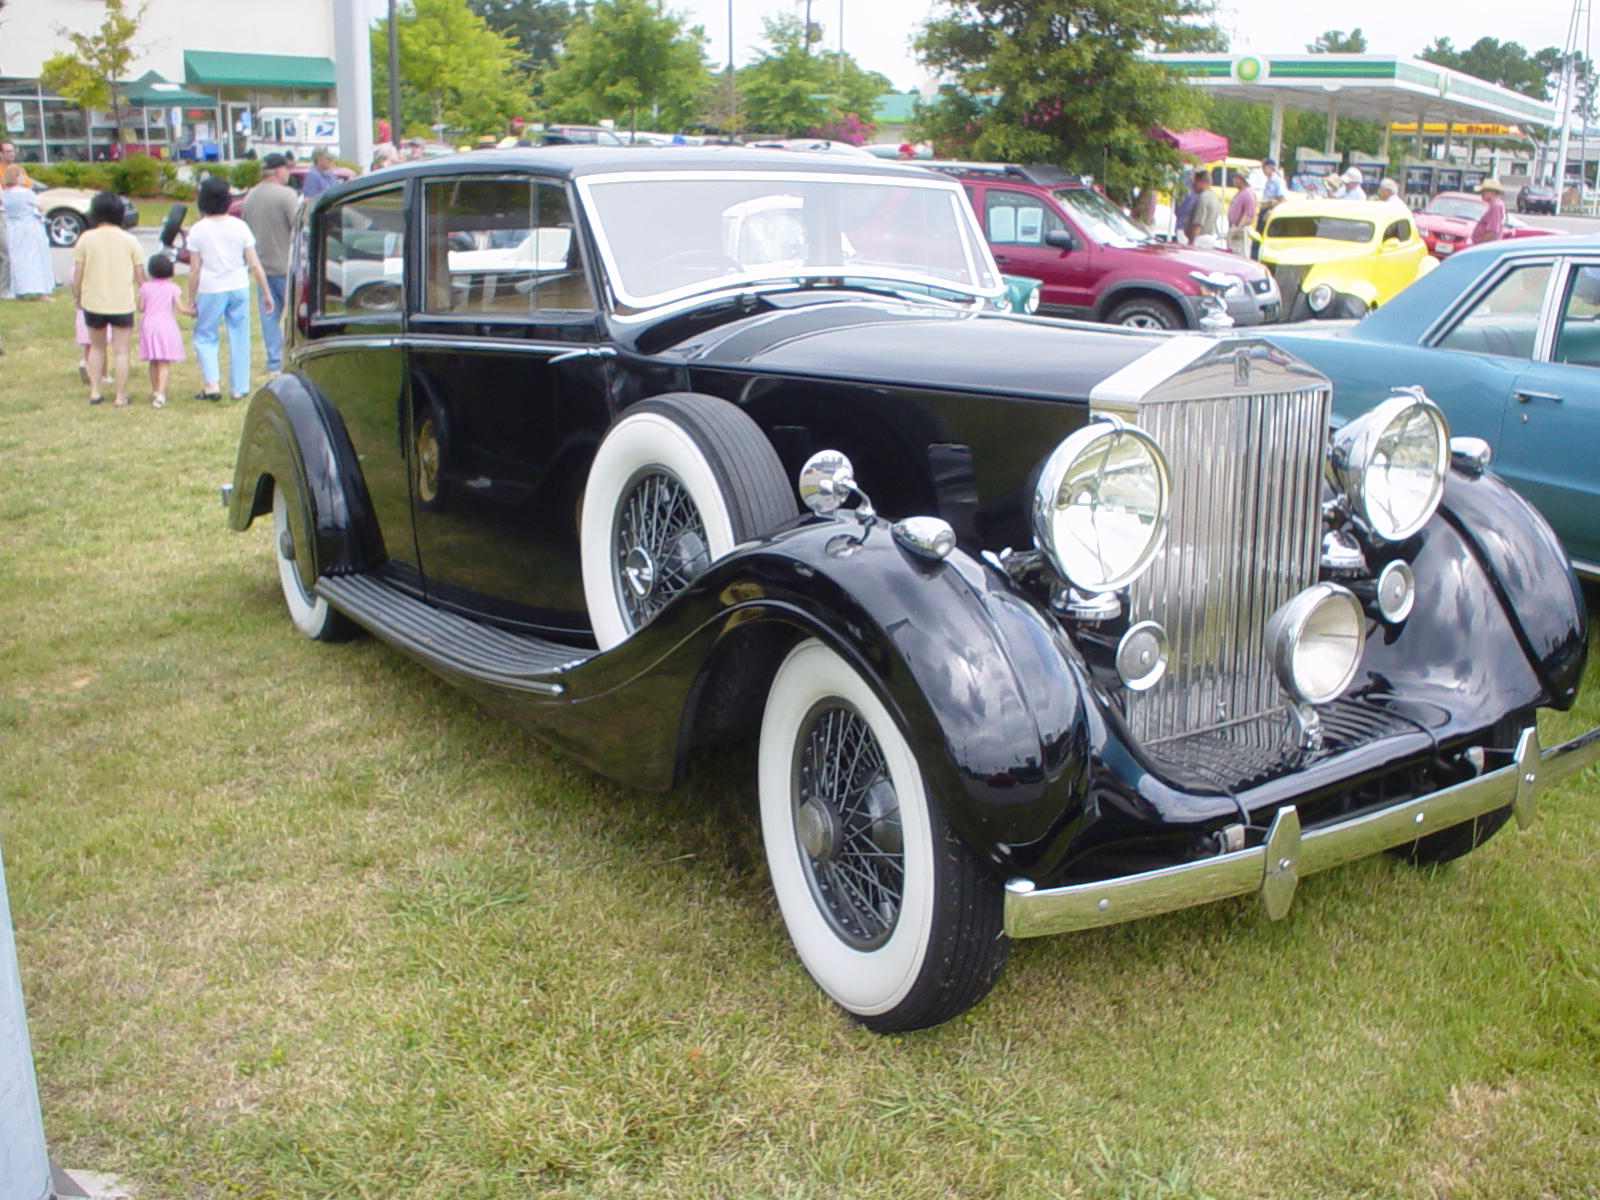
[[1505, 338]]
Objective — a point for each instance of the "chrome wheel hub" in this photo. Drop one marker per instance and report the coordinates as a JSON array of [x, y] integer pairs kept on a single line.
[[847, 820], [660, 545], [639, 572]]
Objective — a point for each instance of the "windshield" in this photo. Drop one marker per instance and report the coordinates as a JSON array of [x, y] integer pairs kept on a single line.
[[1467, 210], [1337, 229], [665, 237], [1099, 218]]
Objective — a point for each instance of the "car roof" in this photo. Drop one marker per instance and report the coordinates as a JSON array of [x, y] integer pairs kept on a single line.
[[573, 162]]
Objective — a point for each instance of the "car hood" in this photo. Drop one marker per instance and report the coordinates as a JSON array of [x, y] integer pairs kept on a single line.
[[58, 197], [919, 345], [1439, 223], [1189, 258], [1300, 254]]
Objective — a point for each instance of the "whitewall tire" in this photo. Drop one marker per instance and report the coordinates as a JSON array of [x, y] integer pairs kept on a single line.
[[312, 615], [891, 914], [676, 484]]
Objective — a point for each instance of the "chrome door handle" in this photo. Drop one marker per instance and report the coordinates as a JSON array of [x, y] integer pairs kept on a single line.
[[1523, 397]]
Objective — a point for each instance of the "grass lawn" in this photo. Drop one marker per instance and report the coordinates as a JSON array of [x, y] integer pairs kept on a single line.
[[301, 921]]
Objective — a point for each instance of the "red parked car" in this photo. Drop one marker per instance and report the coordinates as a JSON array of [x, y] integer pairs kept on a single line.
[[1446, 224], [1094, 262]]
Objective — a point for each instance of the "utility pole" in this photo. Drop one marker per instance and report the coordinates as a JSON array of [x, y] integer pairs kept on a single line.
[[733, 99], [394, 81]]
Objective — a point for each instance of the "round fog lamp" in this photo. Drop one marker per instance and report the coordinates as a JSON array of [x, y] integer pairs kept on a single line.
[[1101, 505], [1142, 656], [1319, 297], [1396, 592], [1315, 640]]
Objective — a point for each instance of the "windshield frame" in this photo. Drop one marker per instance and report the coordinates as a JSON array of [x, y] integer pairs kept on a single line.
[[625, 306]]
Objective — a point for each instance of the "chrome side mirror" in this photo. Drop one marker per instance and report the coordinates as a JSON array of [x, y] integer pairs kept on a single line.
[[827, 480]]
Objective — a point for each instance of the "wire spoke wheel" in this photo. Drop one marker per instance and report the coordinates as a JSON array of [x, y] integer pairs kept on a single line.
[[847, 819], [660, 544]]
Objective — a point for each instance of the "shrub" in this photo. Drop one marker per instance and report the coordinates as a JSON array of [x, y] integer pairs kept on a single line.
[[177, 189], [245, 173], [136, 175], [95, 177], [49, 176]]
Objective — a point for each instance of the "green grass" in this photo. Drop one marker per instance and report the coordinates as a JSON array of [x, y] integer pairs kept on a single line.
[[301, 921]]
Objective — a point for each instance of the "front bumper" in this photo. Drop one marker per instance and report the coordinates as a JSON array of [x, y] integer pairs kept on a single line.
[[1273, 869]]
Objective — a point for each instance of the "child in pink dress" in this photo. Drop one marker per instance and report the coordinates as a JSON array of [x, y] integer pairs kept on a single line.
[[160, 340]]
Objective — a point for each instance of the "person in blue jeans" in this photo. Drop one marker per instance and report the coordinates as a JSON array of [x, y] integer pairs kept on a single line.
[[222, 258]]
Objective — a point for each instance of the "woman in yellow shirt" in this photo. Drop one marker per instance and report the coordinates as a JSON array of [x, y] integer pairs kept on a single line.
[[107, 269]]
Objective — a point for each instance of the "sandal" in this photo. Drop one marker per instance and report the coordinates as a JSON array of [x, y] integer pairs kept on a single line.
[[158, 401], [96, 399], [83, 372], [208, 395], [120, 402]]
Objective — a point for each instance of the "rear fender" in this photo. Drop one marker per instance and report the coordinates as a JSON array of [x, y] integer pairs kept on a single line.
[[292, 433]]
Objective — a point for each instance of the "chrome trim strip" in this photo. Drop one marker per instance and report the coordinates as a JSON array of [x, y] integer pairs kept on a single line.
[[1031, 911]]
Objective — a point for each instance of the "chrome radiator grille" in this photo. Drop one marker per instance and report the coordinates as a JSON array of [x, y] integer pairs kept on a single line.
[[1244, 537]]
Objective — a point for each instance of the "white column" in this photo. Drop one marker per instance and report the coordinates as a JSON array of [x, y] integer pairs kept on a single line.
[[1333, 127], [1275, 134], [352, 74], [24, 1167]]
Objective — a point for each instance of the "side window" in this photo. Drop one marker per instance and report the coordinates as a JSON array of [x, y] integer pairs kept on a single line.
[[1578, 336], [1400, 231], [1506, 320], [1017, 219], [363, 255], [502, 246]]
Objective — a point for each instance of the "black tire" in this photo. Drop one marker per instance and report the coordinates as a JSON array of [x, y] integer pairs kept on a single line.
[[312, 614], [172, 223], [1352, 307], [895, 918], [64, 227], [1146, 312], [375, 295], [676, 484]]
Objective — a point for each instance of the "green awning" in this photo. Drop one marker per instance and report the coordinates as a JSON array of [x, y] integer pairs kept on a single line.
[[152, 91], [222, 68]]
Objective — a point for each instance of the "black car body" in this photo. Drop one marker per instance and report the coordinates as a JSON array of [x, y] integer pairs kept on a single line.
[[540, 426]]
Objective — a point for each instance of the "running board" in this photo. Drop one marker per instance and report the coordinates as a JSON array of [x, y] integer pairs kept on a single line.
[[449, 643]]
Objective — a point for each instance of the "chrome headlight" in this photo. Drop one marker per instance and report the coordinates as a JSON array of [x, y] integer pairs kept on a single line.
[[1031, 304], [1315, 641], [1391, 463], [1319, 297], [1101, 506]]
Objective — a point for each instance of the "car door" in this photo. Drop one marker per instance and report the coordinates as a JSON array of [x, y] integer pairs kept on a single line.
[[501, 344], [1552, 424], [1019, 227], [1399, 251], [353, 350]]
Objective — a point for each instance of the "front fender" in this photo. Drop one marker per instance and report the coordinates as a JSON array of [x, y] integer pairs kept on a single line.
[[292, 433]]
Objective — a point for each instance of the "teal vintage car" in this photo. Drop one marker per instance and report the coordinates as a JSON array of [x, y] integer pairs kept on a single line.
[[1505, 338]]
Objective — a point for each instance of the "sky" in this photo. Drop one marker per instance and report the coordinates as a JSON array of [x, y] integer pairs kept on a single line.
[[878, 32]]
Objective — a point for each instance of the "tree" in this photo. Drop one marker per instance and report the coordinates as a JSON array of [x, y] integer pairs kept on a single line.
[[455, 71], [1063, 81], [536, 26], [89, 74], [626, 55], [1505, 63], [1335, 42], [790, 90]]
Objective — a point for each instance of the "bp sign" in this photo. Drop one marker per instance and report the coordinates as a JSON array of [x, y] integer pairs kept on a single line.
[[1248, 69]]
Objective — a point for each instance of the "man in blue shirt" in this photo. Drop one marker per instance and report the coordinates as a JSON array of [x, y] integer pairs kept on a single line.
[[321, 177], [1272, 194]]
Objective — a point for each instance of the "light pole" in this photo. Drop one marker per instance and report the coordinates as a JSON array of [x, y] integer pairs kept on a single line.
[[733, 102], [394, 81]]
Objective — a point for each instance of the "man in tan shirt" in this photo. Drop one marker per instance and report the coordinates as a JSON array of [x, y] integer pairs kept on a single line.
[[107, 269], [270, 210]]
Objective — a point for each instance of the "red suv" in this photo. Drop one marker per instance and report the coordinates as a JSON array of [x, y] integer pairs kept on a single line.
[[1094, 262]]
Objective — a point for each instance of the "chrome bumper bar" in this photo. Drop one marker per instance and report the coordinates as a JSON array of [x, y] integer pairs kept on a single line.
[[1274, 868]]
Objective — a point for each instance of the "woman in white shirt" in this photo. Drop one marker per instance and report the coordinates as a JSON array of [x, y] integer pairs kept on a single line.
[[222, 257]]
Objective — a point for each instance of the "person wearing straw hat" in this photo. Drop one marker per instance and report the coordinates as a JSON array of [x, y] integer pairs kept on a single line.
[[1491, 226]]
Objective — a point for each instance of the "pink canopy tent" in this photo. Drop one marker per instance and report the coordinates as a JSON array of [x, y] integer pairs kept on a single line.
[[1204, 145]]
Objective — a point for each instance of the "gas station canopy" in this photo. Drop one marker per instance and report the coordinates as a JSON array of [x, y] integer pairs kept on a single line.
[[1369, 87]]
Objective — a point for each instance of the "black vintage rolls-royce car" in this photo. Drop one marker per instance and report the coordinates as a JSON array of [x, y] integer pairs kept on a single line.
[[1039, 627]]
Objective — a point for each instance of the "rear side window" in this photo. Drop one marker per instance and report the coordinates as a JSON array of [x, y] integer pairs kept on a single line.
[[502, 246], [1338, 229], [362, 253], [1017, 218], [1400, 231]]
